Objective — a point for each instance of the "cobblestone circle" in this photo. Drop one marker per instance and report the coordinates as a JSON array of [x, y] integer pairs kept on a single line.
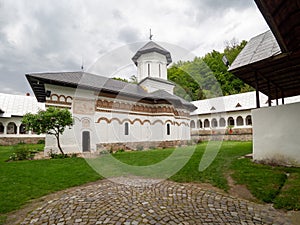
[[149, 201]]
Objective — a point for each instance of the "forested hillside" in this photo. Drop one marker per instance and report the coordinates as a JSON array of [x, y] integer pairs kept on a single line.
[[207, 77]]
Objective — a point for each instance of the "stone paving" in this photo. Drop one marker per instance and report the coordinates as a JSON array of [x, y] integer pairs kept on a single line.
[[149, 201]]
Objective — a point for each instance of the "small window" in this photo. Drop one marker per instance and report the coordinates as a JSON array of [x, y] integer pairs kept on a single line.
[[206, 123], [22, 129], [159, 70], [239, 121], [222, 122], [148, 69], [199, 124], [214, 122], [11, 128], [192, 124], [1, 128], [230, 121], [238, 105], [213, 108], [249, 120], [168, 129], [126, 128]]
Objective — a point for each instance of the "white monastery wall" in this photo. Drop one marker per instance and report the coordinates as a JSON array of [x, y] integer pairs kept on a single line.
[[240, 118], [276, 134], [107, 125]]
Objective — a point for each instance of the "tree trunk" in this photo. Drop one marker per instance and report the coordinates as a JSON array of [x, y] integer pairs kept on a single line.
[[58, 144]]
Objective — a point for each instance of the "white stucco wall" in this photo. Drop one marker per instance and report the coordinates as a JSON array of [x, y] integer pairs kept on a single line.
[[17, 121], [234, 114], [158, 66], [276, 133], [108, 125]]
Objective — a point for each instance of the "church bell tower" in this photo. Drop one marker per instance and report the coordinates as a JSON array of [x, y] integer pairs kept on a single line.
[[152, 61]]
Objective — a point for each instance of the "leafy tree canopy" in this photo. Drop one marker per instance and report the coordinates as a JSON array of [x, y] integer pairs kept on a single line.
[[51, 121], [208, 76]]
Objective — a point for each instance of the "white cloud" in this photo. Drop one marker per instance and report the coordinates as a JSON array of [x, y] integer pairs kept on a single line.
[[56, 35]]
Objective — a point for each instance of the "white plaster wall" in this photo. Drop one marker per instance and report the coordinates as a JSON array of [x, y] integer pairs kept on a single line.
[[154, 59], [225, 115], [276, 133], [112, 129], [18, 122]]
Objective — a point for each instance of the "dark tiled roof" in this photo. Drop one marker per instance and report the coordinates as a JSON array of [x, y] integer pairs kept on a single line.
[[258, 48], [163, 95], [152, 47], [97, 83], [157, 79]]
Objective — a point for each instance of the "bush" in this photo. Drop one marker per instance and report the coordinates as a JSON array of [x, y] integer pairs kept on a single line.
[[120, 150], [139, 147], [41, 142], [21, 152], [58, 156]]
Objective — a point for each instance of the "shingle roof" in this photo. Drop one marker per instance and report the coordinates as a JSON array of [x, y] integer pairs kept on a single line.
[[163, 95], [158, 79], [18, 105], [238, 102], [98, 83], [152, 47], [258, 48]]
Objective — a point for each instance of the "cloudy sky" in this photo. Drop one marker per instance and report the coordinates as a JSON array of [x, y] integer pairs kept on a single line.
[[58, 35]]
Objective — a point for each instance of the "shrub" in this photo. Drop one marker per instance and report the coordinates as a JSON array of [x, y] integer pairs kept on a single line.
[[120, 150], [139, 147], [104, 152], [41, 142], [58, 156], [21, 152], [53, 155]]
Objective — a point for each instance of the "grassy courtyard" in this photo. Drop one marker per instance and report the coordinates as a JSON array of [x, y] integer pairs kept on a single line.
[[22, 181]]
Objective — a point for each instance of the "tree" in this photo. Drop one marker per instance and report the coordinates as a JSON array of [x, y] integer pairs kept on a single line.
[[133, 79], [52, 121]]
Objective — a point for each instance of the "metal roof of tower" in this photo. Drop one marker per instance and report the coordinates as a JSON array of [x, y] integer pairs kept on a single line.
[[151, 46]]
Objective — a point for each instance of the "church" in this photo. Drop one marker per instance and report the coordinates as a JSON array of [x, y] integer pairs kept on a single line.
[[110, 114]]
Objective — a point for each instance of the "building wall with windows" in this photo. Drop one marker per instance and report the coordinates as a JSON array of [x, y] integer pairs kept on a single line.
[[109, 121], [227, 117], [12, 109]]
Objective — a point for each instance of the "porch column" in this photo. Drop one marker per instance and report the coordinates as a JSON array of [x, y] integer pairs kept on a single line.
[[257, 91]]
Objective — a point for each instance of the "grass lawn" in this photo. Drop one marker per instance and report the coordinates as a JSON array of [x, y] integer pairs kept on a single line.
[[278, 185], [25, 180], [30, 179]]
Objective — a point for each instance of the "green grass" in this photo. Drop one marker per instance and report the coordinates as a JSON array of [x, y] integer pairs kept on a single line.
[[22, 181], [214, 174], [217, 171], [278, 185]]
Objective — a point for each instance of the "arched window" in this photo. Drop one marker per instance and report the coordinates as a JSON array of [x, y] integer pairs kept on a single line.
[[126, 126], [11, 128], [249, 120], [1, 128], [222, 122], [230, 121], [22, 129], [239, 121], [214, 122], [168, 129], [199, 124], [206, 123], [192, 124]]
